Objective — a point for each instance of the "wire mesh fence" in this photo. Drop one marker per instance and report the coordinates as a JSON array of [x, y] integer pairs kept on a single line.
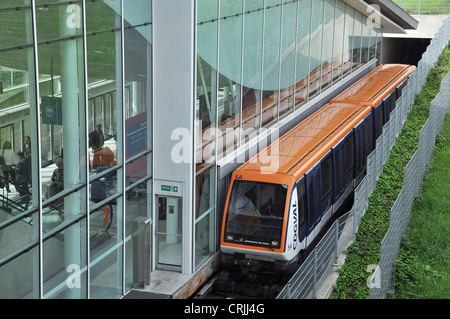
[[319, 263], [415, 169]]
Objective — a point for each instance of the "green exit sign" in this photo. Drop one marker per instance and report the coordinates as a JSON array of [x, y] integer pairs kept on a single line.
[[168, 188]]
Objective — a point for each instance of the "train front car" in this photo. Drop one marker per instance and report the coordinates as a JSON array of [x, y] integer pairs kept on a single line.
[[257, 228]]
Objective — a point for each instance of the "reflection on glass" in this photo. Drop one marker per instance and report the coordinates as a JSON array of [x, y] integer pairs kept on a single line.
[[315, 70], [20, 270], [357, 39], [303, 44], [65, 263], [327, 44], [348, 62], [230, 72], [251, 96], [288, 54], [205, 216], [207, 101], [271, 63]]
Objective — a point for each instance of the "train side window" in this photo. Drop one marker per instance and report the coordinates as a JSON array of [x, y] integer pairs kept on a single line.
[[341, 169], [378, 120], [327, 176], [366, 138], [311, 202], [349, 153], [318, 194], [301, 195]]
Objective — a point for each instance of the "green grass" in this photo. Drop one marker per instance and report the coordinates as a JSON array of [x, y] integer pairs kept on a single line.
[[426, 6], [365, 251], [423, 262]]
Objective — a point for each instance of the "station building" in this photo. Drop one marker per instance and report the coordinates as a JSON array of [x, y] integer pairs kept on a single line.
[[184, 91]]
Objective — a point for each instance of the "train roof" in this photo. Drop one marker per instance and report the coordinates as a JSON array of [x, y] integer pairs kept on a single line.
[[376, 86], [300, 148]]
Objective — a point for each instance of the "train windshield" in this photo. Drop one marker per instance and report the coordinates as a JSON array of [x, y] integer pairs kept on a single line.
[[255, 214]]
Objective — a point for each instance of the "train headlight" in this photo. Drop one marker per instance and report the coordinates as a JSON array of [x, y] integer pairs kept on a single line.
[[274, 243], [229, 237]]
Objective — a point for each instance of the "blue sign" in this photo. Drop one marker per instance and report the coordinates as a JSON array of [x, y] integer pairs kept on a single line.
[[51, 108]]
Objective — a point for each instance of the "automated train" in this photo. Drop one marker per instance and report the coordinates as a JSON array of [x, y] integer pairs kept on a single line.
[[281, 199]]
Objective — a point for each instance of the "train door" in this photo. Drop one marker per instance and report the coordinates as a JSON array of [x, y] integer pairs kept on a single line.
[[349, 149], [386, 109], [326, 182], [338, 163], [311, 195], [378, 120], [302, 210], [359, 151]]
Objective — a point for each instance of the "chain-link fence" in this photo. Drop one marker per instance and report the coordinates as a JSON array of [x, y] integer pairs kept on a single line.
[[304, 283], [424, 6]]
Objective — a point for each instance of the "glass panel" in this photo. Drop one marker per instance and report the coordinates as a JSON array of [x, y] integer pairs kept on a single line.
[[327, 43], [14, 24], [207, 100], [18, 278], [357, 39], [103, 56], [138, 204], [230, 55], [251, 98], [255, 214], [365, 42], [315, 69], [106, 260], [348, 44], [17, 77], [303, 44], [65, 263], [288, 55], [271, 66], [205, 216]]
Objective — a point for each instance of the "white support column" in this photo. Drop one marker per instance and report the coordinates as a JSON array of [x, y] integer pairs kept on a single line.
[[173, 107]]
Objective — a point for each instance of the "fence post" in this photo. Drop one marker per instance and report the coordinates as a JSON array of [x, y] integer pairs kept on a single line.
[[336, 251], [315, 273]]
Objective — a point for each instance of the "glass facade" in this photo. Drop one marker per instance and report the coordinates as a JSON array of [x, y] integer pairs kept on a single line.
[[76, 125], [258, 61]]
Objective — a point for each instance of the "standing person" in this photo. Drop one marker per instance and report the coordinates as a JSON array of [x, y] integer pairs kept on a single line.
[[58, 182], [22, 181], [10, 159], [27, 155], [27, 146], [96, 137]]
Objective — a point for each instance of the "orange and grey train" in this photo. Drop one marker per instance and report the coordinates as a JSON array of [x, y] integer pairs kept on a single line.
[[280, 200]]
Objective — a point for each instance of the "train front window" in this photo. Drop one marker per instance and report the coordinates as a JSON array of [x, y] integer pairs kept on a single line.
[[255, 214]]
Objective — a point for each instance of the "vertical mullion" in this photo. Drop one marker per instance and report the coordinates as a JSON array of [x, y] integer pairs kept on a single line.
[[86, 150], [279, 62], [122, 46], [296, 56], [38, 189], [242, 74]]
